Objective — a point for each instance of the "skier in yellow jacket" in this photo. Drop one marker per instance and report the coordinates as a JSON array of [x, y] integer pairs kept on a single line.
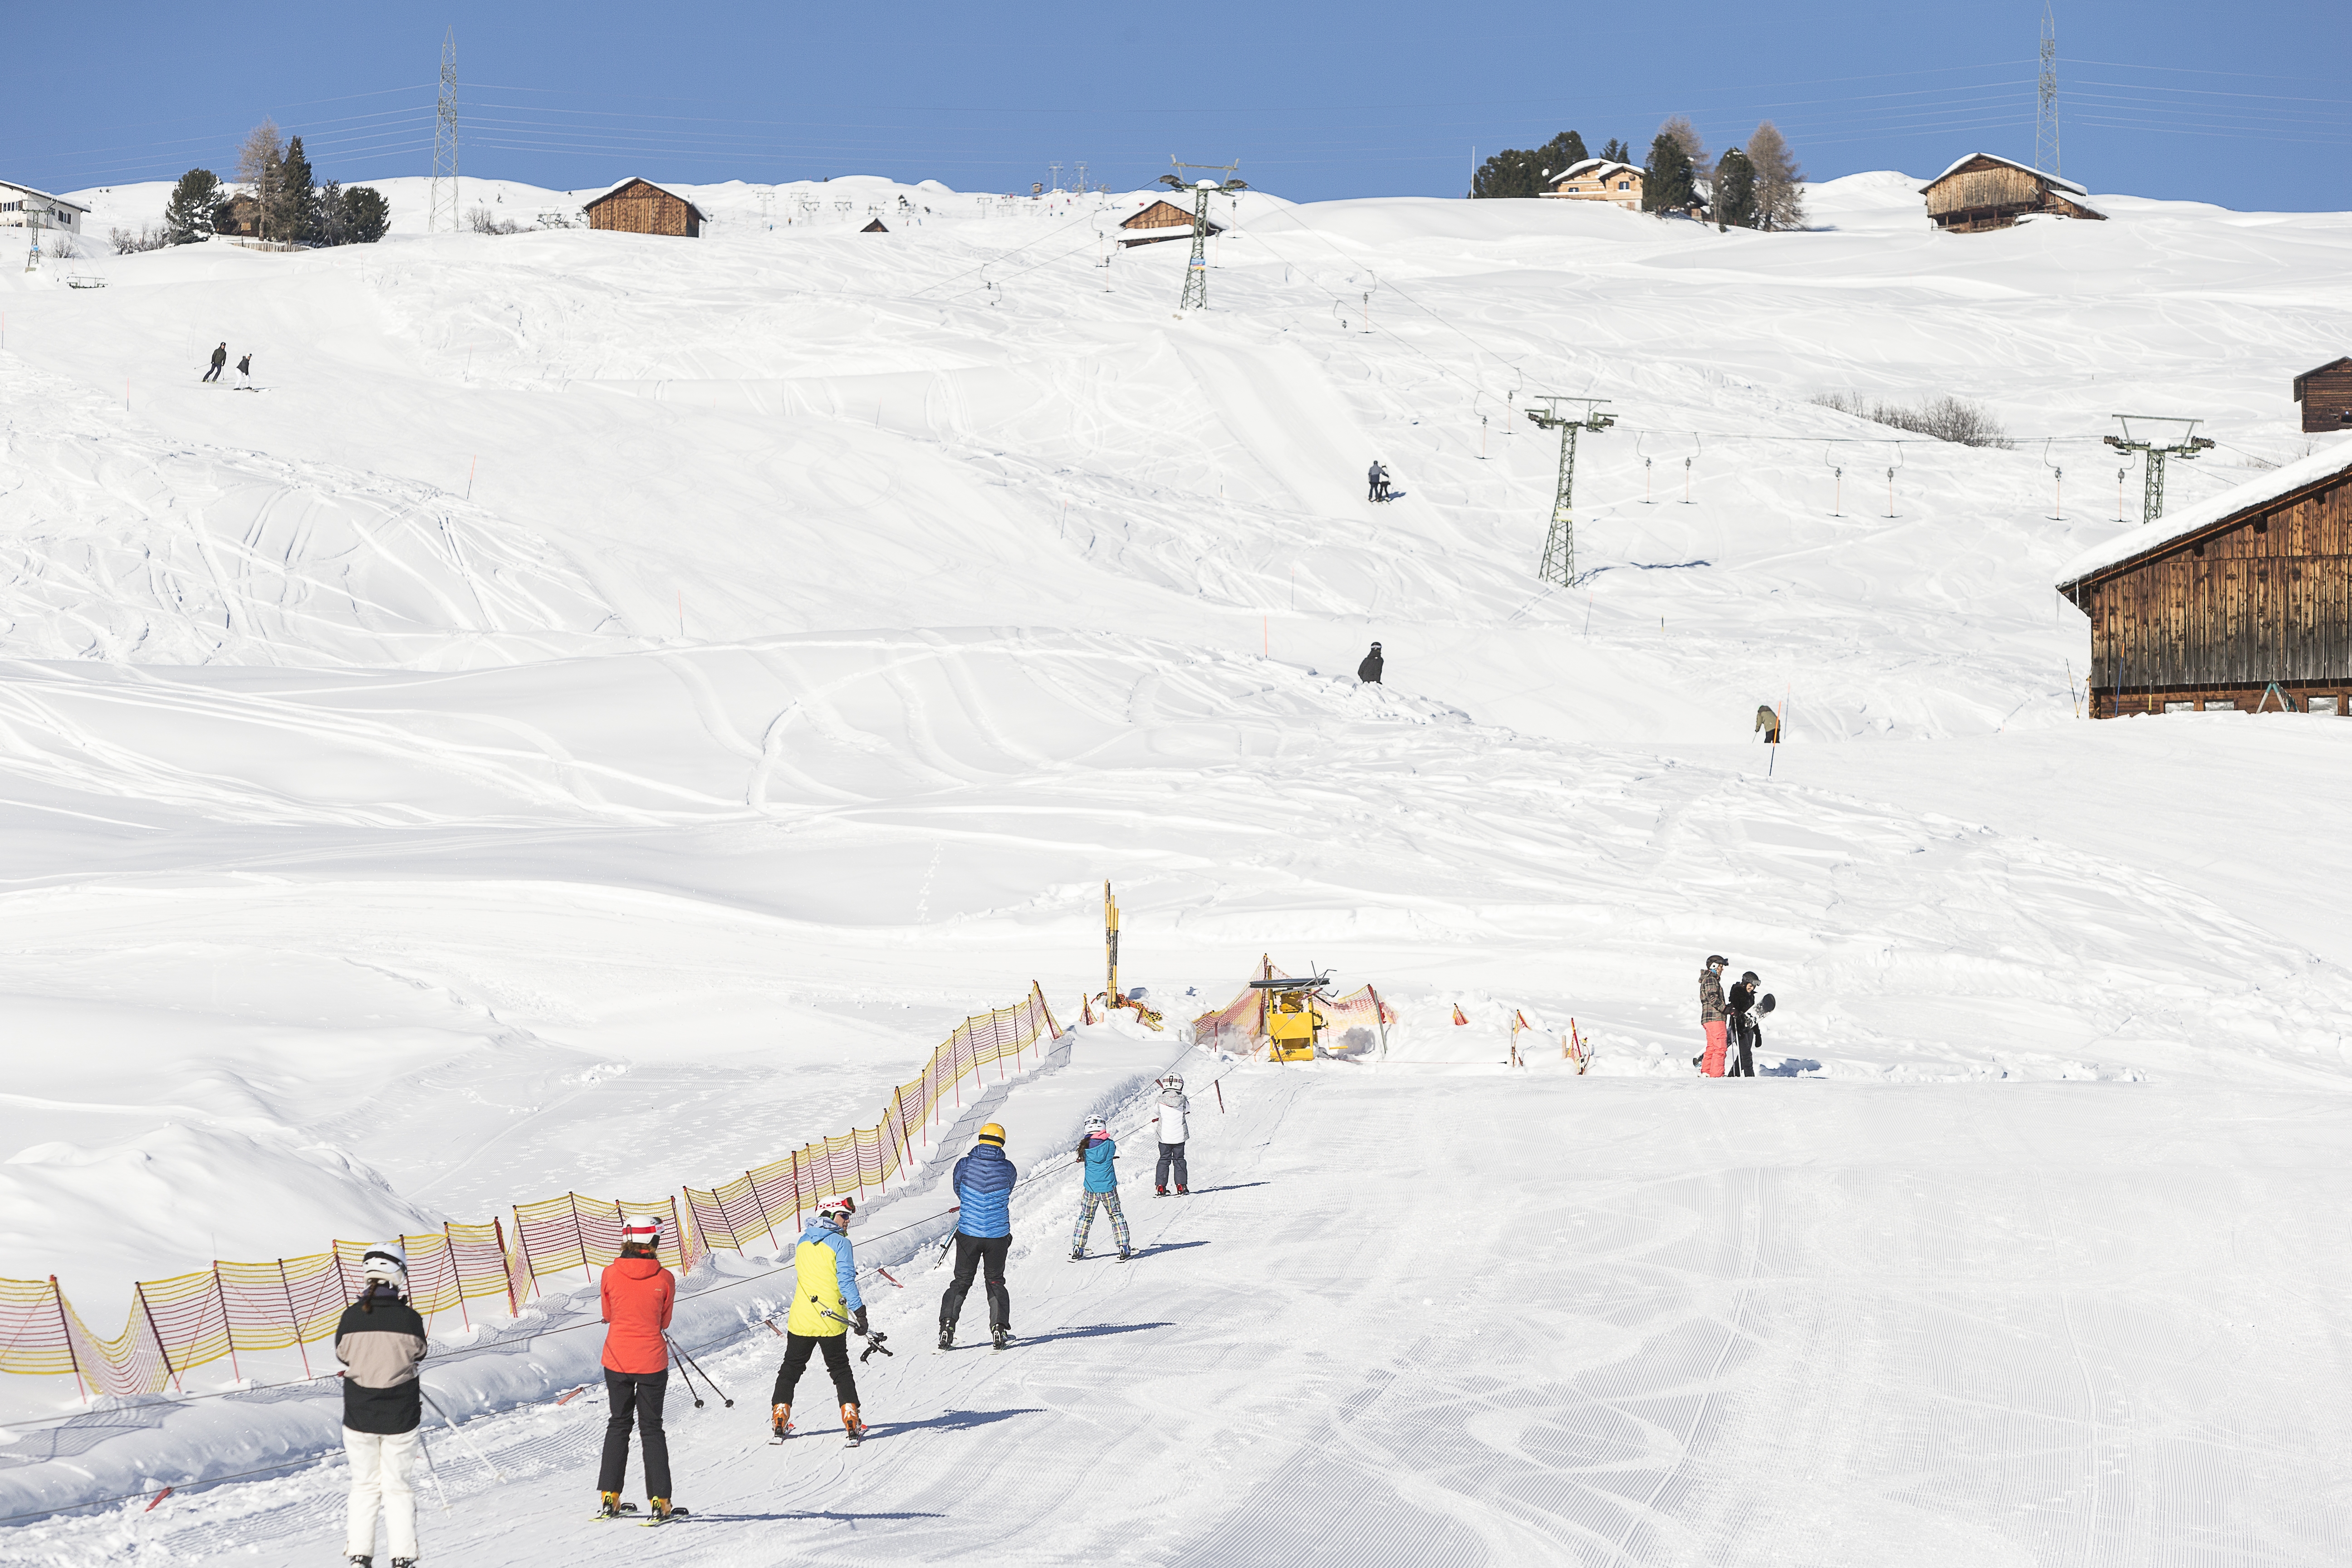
[[825, 1306]]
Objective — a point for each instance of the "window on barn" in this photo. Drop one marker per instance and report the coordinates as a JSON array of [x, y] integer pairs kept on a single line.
[[2323, 705], [2220, 705], [2180, 708]]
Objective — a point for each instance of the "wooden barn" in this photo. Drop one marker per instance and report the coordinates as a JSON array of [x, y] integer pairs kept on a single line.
[[1599, 180], [1983, 191], [640, 206], [2242, 603], [2326, 394], [1162, 220]]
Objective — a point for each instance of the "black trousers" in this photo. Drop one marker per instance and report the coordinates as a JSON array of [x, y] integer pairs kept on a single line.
[[1172, 1154], [214, 375], [634, 1394], [796, 1359], [971, 1252], [1745, 1035]]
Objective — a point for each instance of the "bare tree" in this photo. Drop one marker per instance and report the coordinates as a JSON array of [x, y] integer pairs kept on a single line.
[[1686, 136], [1779, 183], [259, 158]]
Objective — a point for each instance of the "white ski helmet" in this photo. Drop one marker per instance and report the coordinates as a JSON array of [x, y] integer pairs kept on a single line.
[[387, 1264], [1097, 1124], [1174, 1080], [836, 1211], [641, 1230]]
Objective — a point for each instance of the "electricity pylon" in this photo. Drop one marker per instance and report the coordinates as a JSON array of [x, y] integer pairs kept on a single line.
[[1196, 271], [2046, 111], [2184, 447], [1560, 545], [445, 141]]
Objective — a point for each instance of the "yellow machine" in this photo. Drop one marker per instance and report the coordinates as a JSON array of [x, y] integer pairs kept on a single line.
[[1292, 1024]]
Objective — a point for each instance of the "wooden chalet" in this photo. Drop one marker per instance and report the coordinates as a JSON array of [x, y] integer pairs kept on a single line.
[[1162, 220], [2242, 603], [640, 206], [2326, 394], [1983, 191], [876, 226], [1599, 180]]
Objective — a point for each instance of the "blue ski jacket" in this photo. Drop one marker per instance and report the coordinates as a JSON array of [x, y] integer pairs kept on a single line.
[[984, 1185], [1101, 1176], [825, 1282]]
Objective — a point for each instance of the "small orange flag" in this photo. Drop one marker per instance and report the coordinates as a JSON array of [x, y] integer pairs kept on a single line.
[[1457, 1014], [1520, 1020]]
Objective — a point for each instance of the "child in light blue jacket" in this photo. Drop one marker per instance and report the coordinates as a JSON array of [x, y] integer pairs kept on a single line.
[[1096, 1152]]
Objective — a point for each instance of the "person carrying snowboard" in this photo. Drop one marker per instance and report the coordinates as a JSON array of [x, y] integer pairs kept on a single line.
[[1168, 1118], [1741, 1003], [1369, 672], [983, 1189], [245, 370], [638, 1295], [380, 1341], [1099, 1153], [220, 358], [1711, 1012], [825, 1306]]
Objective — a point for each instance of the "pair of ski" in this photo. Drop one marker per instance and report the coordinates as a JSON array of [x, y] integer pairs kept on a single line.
[[623, 1510], [1124, 1257], [1000, 1339], [850, 1436]]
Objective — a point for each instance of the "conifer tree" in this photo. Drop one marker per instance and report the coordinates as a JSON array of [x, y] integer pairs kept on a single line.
[[1779, 183], [296, 215], [1616, 152], [1666, 185], [366, 215], [1516, 171], [194, 210], [1735, 190]]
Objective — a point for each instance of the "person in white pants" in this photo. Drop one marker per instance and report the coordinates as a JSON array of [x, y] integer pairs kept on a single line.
[[380, 1341]]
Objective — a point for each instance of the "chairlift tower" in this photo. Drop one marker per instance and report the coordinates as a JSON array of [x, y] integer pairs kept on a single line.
[[2046, 108], [1560, 545], [1196, 271], [444, 197], [33, 226], [2185, 445]]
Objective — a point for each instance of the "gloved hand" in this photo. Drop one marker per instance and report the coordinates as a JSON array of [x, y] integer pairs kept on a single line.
[[857, 1321]]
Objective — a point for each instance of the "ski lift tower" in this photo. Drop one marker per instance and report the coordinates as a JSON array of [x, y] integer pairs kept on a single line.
[[2153, 441], [33, 227], [1196, 271], [1560, 545]]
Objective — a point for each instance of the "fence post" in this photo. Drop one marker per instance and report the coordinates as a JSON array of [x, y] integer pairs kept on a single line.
[[763, 1211], [581, 1236], [796, 1190], [228, 1324], [162, 1349], [906, 1140], [66, 1328], [514, 1307], [293, 1318], [457, 1274]]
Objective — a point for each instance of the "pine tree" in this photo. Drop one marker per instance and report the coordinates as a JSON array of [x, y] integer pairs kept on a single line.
[[1616, 152], [296, 217], [1666, 178], [194, 208], [1694, 147], [1562, 151], [1735, 190], [1779, 183], [1515, 171], [366, 215]]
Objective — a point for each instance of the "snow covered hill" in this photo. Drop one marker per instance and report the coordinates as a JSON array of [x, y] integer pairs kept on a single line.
[[600, 707]]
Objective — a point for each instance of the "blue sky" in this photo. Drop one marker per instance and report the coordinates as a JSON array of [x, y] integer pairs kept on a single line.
[[2248, 107]]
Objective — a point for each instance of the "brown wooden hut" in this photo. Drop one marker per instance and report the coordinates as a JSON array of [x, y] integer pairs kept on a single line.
[[2244, 602], [1162, 220], [876, 226], [2326, 394], [640, 206], [1983, 191]]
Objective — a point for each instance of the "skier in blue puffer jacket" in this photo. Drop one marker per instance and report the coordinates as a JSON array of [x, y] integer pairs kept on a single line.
[[1097, 1151], [983, 1189]]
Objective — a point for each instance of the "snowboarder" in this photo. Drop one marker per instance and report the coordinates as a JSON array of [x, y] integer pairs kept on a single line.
[[984, 1188], [638, 1295], [1369, 671], [825, 1306], [1710, 1013], [1168, 1117], [1742, 1002], [380, 1341], [1769, 723], [245, 370], [1099, 1154], [1377, 479], [220, 358]]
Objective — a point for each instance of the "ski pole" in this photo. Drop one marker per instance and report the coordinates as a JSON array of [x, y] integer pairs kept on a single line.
[[874, 1337], [699, 1373], [477, 1454], [430, 1468], [687, 1378]]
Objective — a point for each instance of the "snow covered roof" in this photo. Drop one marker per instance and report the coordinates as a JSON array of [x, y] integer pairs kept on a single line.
[[2226, 508], [2053, 181], [1602, 166], [45, 195]]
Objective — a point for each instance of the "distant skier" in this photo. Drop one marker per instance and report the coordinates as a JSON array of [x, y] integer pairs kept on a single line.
[[1711, 1013], [1742, 1004], [1369, 671], [220, 358], [638, 1295], [1099, 1154], [825, 1306], [984, 1188], [245, 370], [380, 1340], [1168, 1118], [1378, 482], [1769, 723]]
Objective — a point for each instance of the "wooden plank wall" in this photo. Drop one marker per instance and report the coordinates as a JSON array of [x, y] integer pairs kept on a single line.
[[640, 209], [1972, 189], [2325, 399], [2269, 600]]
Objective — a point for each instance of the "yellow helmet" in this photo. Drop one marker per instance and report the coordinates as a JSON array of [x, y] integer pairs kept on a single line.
[[992, 1134]]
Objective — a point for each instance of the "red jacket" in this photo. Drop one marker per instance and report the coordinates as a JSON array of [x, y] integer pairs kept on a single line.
[[638, 1294]]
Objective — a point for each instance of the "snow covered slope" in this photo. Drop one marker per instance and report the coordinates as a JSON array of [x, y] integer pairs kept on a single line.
[[605, 705]]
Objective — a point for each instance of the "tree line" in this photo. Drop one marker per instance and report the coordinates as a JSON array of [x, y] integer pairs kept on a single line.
[[1756, 185], [288, 203]]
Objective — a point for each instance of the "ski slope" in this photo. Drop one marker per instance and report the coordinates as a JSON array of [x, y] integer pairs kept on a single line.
[[602, 707]]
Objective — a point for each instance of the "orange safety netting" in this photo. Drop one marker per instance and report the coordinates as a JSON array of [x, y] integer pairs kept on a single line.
[[292, 1303], [1241, 1023]]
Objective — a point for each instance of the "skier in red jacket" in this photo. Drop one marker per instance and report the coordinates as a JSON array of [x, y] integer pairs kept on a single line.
[[637, 1293]]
